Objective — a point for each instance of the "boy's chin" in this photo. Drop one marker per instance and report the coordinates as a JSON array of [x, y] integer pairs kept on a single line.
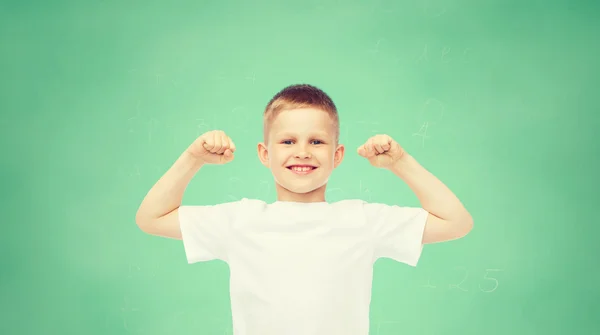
[[300, 189], [303, 189]]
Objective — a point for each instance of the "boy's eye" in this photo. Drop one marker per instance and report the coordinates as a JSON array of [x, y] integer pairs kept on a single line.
[[313, 142]]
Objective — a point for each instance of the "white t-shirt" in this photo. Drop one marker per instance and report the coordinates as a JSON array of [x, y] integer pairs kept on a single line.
[[301, 268]]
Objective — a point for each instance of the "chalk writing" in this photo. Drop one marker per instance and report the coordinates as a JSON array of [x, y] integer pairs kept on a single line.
[[463, 281]]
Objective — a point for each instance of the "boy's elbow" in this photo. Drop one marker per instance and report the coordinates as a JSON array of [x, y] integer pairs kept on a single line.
[[461, 227], [142, 221], [466, 225]]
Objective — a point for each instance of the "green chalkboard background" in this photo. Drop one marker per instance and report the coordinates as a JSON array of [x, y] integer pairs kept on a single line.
[[499, 99]]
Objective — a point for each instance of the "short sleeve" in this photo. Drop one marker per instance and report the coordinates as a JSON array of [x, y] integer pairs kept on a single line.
[[397, 231], [205, 230]]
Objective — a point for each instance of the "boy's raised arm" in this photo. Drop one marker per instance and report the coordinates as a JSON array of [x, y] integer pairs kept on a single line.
[[448, 219], [158, 212]]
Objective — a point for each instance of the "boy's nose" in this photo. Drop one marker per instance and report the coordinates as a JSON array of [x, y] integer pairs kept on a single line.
[[303, 155]]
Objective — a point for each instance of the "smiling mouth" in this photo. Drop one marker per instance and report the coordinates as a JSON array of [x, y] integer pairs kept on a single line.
[[302, 169]]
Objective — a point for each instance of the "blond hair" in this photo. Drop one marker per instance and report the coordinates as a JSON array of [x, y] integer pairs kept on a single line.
[[299, 96]]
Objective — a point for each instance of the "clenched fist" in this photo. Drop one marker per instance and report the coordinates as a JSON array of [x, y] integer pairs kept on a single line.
[[213, 147], [381, 151]]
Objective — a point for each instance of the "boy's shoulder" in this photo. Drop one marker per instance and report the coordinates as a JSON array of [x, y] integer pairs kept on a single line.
[[251, 204], [258, 204], [339, 203]]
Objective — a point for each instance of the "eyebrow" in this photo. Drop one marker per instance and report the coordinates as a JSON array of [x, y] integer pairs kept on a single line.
[[288, 134]]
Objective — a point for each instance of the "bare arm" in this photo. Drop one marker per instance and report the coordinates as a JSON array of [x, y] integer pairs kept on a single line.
[[448, 219], [157, 214]]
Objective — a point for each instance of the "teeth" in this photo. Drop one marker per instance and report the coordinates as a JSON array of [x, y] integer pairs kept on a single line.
[[301, 168]]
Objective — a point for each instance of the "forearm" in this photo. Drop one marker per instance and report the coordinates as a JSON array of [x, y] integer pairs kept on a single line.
[[166, 195], [435, 197]]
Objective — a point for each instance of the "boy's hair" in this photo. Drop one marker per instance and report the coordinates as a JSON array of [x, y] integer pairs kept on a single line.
[[299, 96]]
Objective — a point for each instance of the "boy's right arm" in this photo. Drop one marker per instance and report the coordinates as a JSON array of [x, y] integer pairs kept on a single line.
[[158, 213]]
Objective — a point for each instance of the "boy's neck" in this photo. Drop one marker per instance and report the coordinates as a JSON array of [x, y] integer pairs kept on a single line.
[[284, 195]]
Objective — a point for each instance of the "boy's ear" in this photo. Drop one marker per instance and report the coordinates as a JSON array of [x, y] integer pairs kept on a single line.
[[339, 155], [263, 154]]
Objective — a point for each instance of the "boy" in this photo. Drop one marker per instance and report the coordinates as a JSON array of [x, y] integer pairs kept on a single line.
[[300, 265]]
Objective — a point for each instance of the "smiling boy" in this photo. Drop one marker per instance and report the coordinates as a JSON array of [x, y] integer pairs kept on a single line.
[[302, 265]]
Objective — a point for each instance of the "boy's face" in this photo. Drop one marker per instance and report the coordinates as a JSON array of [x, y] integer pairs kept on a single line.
[[301, 153]]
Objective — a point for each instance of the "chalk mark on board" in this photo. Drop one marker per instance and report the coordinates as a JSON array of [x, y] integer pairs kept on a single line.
[[423, 132], [423, 55], [253, 78], [428, 112], [228, 330], [152, 122], [235, 189], [466, 275], [487, 277], [364, 191], [136, 173], [465, 52], [335, 190], [132, 268], [155, 270], [445, 51], [371, 124], [376, 50], [137, 114], [429, 284], [126, 309], [202, 127]]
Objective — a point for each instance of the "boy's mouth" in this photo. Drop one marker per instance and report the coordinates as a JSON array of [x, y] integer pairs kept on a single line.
[[302, 169]]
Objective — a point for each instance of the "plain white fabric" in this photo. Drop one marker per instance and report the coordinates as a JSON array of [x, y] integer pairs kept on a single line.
[[301, 268]]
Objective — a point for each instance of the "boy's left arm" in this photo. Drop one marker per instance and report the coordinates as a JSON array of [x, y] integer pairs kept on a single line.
[[448, 219]]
